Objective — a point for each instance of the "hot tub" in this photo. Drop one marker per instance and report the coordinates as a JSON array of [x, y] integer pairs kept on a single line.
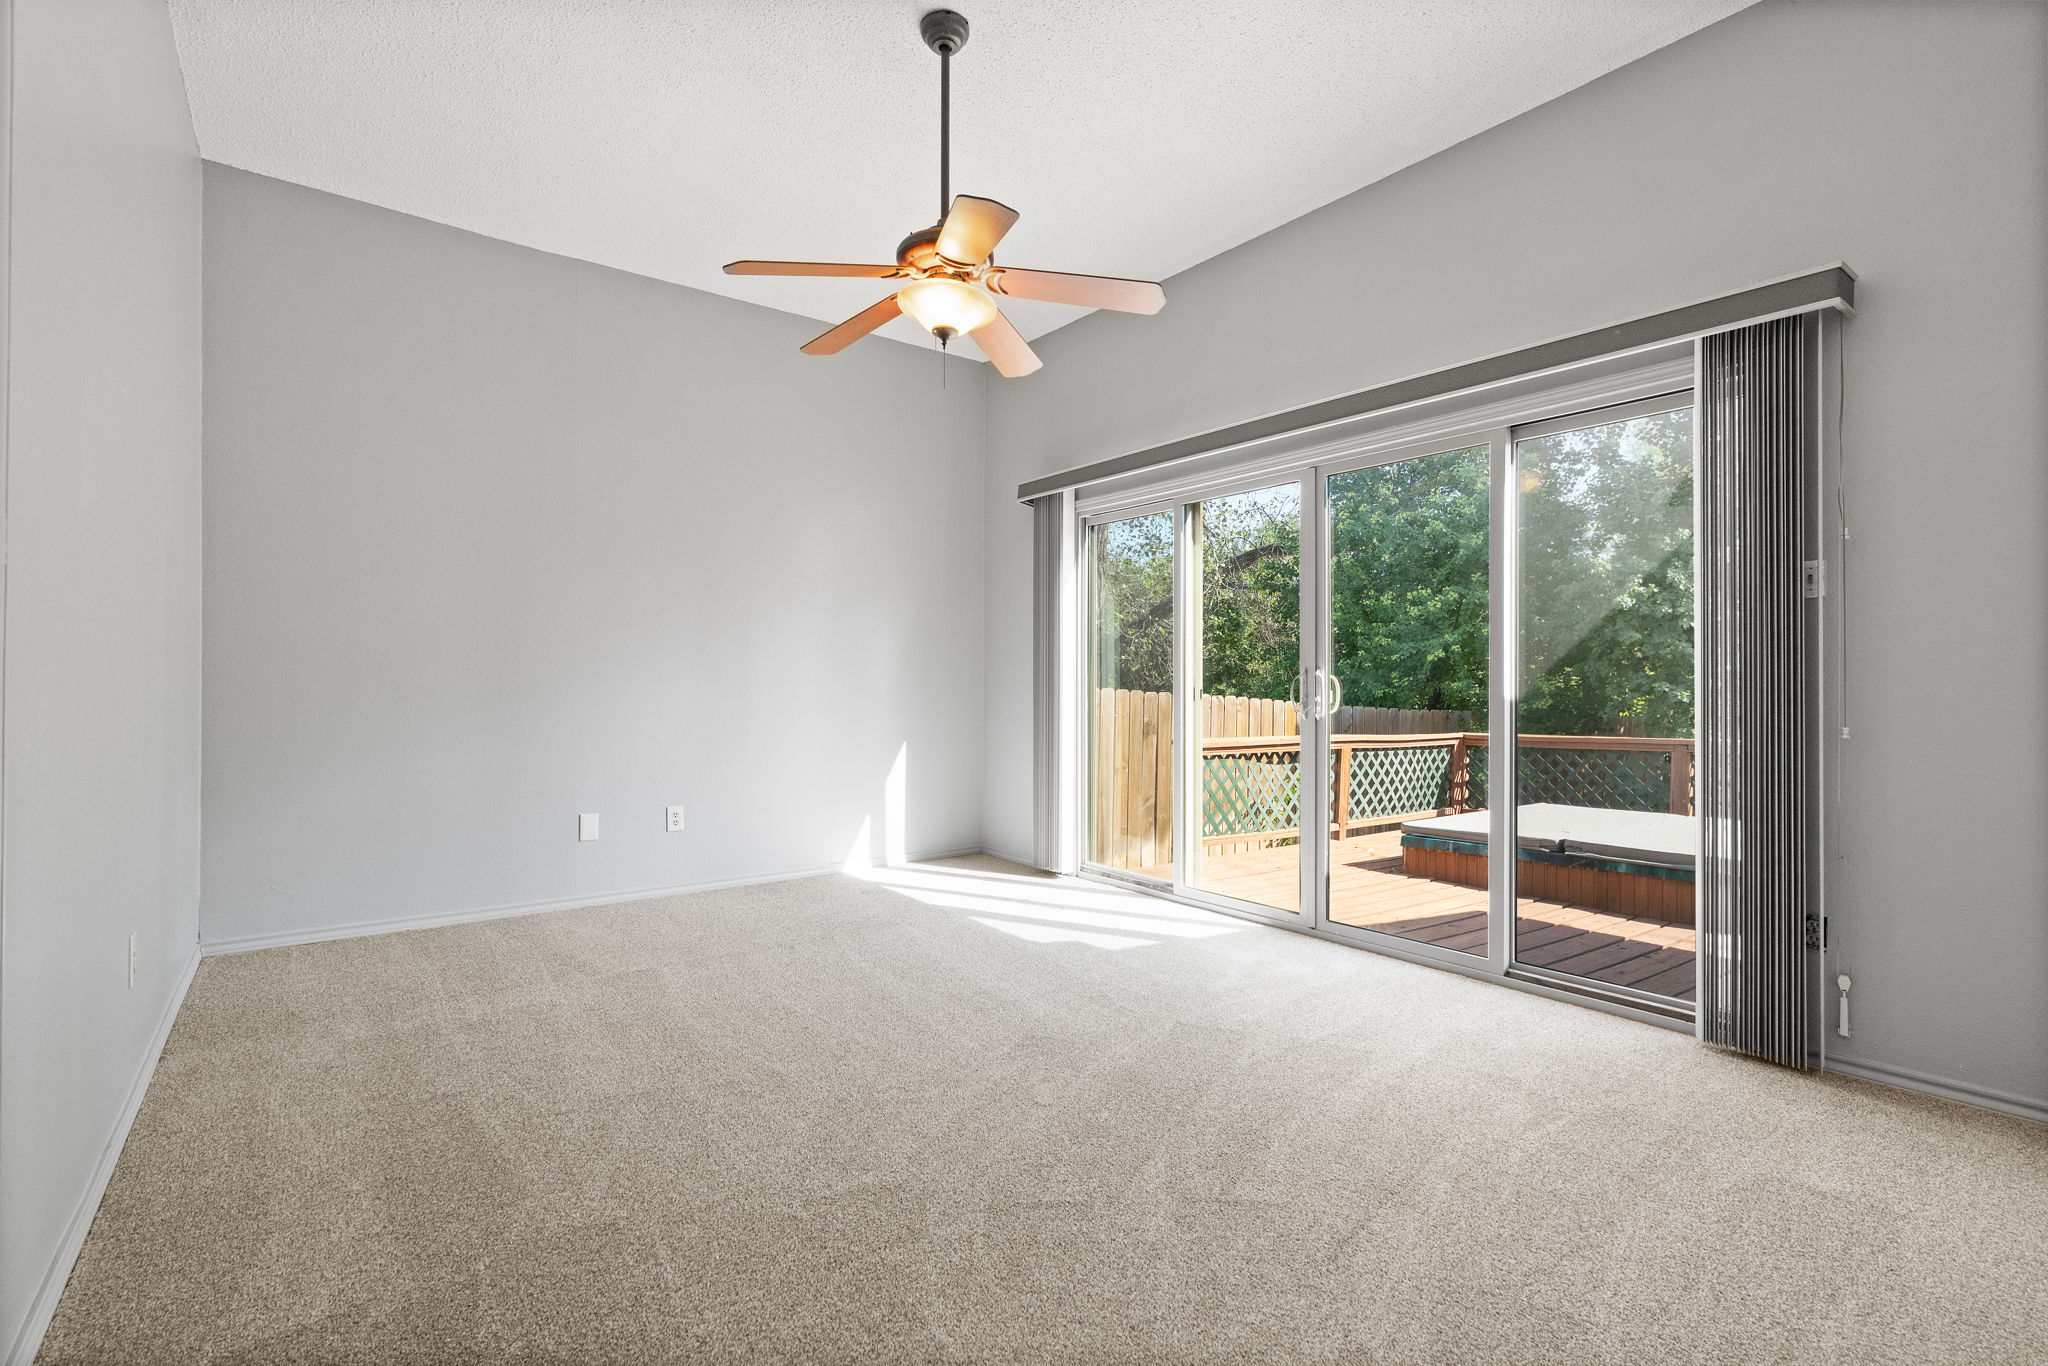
[[1629, 862]]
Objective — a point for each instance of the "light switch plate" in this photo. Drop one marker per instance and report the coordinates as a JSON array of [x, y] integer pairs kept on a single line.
[[586, 826]]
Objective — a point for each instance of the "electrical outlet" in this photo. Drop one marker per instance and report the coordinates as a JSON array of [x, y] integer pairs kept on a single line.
[[675, 819], [586, 826], [131, 958]]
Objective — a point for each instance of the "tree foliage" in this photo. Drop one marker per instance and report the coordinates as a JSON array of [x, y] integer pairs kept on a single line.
[[1607, 579], [1251, 593], [1132, 572], [1408, 583], [1606, 573]]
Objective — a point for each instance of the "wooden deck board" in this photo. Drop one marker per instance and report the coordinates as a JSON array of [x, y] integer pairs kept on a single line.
[[1369, 889]]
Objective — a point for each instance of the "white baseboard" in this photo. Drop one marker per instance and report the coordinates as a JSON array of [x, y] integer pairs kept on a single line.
[[356, 929], [1906, 1080], [949, 853], [29, 1340], [1028, 860]]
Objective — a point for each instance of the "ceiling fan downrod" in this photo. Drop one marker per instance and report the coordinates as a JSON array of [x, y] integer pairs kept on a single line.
[[945, 32]]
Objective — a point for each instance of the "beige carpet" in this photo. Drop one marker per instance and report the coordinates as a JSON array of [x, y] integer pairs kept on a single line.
[[972, 1116]]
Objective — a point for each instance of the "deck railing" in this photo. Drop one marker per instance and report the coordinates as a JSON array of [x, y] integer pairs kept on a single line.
[[1386, 766], [1251, 785]]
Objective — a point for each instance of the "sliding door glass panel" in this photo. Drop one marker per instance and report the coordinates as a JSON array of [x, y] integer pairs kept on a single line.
[[1408, 563], [1130, 692], [1604, 754], [1250, 732]]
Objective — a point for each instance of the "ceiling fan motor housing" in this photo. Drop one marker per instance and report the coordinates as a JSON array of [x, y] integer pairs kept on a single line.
[[944, 31], [920, 250]]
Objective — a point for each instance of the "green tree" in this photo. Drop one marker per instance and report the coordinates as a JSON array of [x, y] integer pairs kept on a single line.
[[1251, 593], [1606, 576], [1607, 579], [1408, 582], [1131, 574]]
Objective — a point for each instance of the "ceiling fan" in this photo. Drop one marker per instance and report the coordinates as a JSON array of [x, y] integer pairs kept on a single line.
[[950, 266]]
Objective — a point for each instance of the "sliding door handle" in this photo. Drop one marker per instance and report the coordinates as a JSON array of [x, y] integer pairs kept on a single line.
[[1329, 693]]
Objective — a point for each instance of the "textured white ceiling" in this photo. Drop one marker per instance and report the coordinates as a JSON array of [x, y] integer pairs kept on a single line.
[[667, 137]]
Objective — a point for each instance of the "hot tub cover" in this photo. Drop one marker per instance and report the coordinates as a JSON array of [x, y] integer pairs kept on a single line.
[[1652, 837]]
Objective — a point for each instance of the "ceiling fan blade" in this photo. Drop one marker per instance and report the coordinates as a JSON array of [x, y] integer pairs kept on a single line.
[[853, 329], [1005, 348], [972, 229], [1087, 291], [809, 268]]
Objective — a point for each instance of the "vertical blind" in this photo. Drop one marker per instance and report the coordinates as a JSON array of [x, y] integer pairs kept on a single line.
[[1757, 442], [1052, 720]]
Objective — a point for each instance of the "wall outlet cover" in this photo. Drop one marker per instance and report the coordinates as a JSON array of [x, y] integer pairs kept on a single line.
[[586, 826]]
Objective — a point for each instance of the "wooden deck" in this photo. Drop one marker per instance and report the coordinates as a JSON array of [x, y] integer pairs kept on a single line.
[[1369, 889]]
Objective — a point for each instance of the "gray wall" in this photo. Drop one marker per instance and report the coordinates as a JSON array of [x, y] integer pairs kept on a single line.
[[99, 701], [1907, 139], [495, 537]]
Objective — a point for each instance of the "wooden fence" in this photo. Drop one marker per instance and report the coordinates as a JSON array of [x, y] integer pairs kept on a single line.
[[1130, 781], [1233, 718], [1388, 765], [1131, 777]]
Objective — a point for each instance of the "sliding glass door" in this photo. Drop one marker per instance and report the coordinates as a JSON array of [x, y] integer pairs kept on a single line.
[[1246, 652], [1129, 695], [1604, 716], [1435, 698], [1403, 684]]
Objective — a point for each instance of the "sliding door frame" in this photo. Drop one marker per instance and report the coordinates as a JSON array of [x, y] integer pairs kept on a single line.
[[1671, 400], [1087, 526], [1189, 664], [1318, 609], [1494, 425], [1187, 683]]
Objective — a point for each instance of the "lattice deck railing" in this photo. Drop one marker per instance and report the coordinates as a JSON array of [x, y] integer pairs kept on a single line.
[[1251, 787]]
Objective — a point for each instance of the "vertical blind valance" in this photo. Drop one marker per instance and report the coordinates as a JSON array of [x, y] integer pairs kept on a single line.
[[1829, 287]]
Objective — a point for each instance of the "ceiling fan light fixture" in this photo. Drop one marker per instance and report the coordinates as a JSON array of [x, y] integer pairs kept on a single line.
[[950, 266], [940, 302]]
